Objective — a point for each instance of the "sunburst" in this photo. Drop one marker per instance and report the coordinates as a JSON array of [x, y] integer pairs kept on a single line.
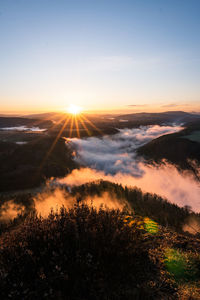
[[74, 109], [74, 118]]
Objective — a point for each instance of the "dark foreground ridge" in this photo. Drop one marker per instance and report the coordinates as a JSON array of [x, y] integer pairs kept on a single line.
[[83, 253]]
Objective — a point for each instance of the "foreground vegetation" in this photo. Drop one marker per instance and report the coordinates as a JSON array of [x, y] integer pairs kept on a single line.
[[82, 253]]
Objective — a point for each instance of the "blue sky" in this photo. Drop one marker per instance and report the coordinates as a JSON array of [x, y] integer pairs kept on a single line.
[[99, 54]]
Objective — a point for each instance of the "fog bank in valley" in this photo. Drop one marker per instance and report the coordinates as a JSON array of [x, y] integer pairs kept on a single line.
[[116, 153], [114, 158]]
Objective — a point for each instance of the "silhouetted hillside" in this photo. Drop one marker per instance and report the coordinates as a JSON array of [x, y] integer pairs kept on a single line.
[[168, 117], [28, 165], [17, 121], [143, 204], [149, 205], [177, 148]]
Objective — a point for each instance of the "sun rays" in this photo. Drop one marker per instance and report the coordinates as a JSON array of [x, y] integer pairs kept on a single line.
[[79, 124], [71, 124]]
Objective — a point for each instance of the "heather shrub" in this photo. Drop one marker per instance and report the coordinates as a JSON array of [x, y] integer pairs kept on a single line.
[[79, 253]]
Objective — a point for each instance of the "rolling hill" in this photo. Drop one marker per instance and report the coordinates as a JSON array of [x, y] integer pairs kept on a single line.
[[181, 149]]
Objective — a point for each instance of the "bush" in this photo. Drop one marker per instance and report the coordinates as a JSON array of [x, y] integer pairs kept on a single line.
[[79, 253]]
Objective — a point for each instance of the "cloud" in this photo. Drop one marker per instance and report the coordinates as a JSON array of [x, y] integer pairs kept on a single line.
[[137, 105], [114, 158], [109, 200], [177, 105], [164, 180], [116, 153], [171, 105], [48, 200]]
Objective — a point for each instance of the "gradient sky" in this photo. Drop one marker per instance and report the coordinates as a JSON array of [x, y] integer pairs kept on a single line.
[[135, 55]]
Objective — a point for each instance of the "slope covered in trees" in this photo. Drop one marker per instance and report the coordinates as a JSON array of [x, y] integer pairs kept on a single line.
[[28, 165], [176, 148], [142, 204]]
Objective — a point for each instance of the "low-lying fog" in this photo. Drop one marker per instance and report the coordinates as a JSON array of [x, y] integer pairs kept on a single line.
[[114, 158], [23, 128], [116, 153]]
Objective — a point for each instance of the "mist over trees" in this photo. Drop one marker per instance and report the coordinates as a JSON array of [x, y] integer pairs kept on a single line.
[[141, 204]]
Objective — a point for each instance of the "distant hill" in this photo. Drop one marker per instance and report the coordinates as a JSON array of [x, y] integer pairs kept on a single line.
[[169, 116], [18, 121], [106, 124], [177, 148]]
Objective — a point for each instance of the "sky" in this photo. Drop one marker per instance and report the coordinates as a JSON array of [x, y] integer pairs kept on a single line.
[[115, 55]]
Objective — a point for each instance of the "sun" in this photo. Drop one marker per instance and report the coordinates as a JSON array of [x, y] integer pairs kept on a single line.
[[74, 109]]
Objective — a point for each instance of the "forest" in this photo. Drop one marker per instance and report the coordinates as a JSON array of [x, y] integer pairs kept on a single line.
[[176, 148], [29, 165]]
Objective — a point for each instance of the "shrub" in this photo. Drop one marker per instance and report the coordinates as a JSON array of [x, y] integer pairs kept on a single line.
[[79, 253]]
